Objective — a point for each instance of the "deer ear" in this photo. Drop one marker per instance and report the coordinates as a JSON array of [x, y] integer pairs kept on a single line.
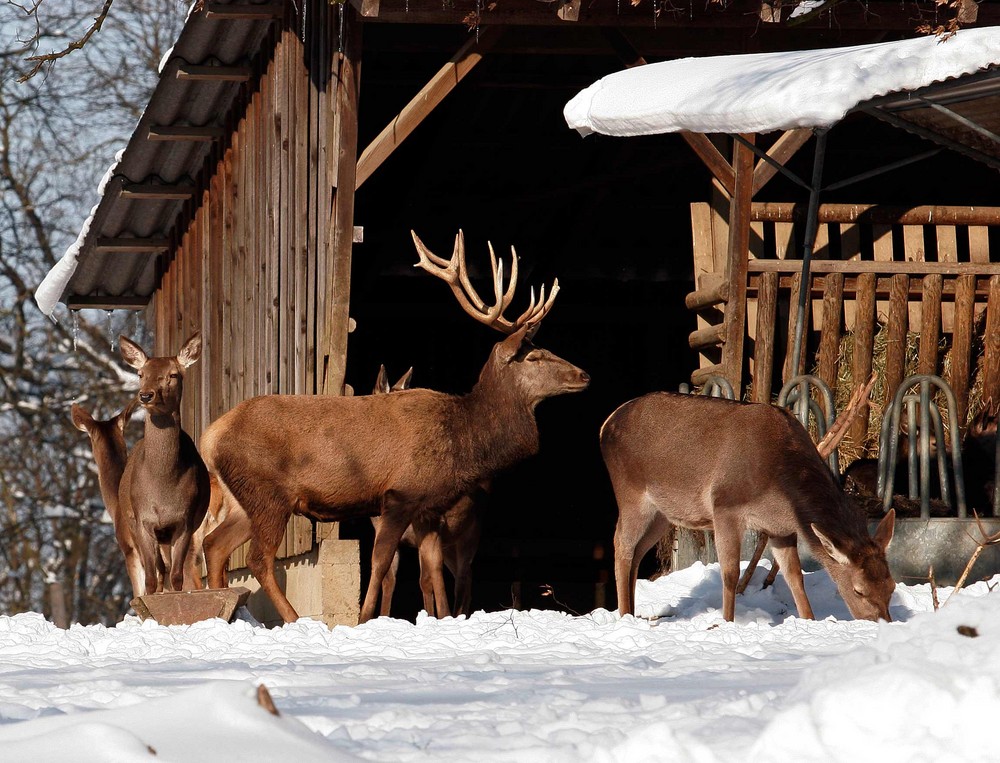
[[835, 553], [883, 533], [191, 350], [81, 418], [132, 353], [509, 347], [404, 381], [381, 382]]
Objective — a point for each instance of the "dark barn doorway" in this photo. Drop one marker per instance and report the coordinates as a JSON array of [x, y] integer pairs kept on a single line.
[[607, 217]]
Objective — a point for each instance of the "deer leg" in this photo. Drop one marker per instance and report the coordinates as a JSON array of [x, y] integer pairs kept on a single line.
[[149, 554], [728, 538], [787, 556], [260, 559], [390, 529], [464, 552], [431, 573], [389, 586], [636, 533], [180, 547], [219, 544]]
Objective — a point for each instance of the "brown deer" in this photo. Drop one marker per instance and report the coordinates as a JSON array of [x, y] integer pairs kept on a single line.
[[406, 456], [712, 464], [164, 489], [107, 444], [454, 544]]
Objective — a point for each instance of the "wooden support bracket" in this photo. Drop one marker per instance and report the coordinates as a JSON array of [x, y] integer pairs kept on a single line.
[[137, 245], [185, 132], [213, 73]]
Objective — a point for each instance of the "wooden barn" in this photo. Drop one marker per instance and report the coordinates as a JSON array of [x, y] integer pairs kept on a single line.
[[267, 195]]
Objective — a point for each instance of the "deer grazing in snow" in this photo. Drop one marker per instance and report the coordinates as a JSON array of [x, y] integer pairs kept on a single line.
[[407, 456], [107, 444], [712, 464], [454, 544], [164, 490]]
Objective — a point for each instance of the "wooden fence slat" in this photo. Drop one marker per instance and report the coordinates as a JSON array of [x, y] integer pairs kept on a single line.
[[784, 240], [898, 324], [864, 343], [930, 324], [767, 311], [829, 340], [913, 243], [850, 241], [991, 338], [947, 243], [979, 243], [961, 345], [882, 242]]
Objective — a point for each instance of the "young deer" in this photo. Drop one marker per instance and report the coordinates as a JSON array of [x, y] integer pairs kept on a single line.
[[454, 544], [107, 444], [165, 488], [406, 456], [711, 464], [979, 458]]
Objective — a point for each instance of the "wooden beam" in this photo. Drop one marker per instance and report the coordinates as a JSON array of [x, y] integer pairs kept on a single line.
[[623, 47], [107, 245], [715, 161], [884, 267], [784, 212], [340, 230], [868, 19], [784, 148], [185, 132], [424, 102], [736, 267], [157, 191], [244, 11], [213, 73], [88, 302]]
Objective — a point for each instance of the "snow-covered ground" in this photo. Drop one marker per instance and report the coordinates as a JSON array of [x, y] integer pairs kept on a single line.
[[676, 683]]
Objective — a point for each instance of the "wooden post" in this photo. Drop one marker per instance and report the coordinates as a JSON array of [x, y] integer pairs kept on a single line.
[[991, 338], [763, 365], [736, 268], [930, 324], [898, 325], [864, 343], [340, 238], [961, 346]]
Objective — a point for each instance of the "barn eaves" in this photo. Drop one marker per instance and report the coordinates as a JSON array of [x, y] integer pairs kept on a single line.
[[113, 264]]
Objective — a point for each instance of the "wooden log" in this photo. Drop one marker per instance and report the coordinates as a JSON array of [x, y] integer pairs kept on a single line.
[[960, 374], [898, 319], [864, 344], [991, 338], [874, 266], [930, 324], [736, 270], [830, 330], [783, 149], [878, 214], [714, 160], [700, 376], [763, 363], [707, 337], [710, 297], [792, 365]]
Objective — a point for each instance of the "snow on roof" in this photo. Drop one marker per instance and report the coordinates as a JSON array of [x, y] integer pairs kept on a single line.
[[763, 92]]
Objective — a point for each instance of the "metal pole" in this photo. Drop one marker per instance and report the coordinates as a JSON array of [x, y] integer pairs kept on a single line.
[[812, 223]]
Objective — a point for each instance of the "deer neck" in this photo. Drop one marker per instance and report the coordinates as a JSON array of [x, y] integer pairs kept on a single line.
[[163, 439], [498, 425]]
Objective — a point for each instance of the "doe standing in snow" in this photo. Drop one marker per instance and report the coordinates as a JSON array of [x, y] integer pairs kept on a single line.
[[164, 490], [711, 464]]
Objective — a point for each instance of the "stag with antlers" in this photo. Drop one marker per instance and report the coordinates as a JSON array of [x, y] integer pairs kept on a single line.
[[406, 457]]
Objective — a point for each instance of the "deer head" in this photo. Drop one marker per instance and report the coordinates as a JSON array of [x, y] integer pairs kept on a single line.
[[161, 379]]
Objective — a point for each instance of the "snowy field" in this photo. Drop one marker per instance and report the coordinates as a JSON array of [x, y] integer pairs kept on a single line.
[[675, 684]]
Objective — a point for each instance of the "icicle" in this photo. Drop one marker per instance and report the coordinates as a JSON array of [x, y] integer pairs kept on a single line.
[[76, 328], [111, 330], [340, 27]]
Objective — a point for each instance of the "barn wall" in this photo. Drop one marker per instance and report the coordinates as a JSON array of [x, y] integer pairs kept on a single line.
[[250, 267]]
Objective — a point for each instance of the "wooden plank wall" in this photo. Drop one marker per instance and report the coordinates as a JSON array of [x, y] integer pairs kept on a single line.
[[247, 269], [925, 270]]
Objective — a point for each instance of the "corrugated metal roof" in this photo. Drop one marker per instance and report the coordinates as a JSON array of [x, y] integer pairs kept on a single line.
[[207, 39]]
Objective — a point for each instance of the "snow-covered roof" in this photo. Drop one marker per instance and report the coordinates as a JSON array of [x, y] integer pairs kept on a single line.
[[772, 91]]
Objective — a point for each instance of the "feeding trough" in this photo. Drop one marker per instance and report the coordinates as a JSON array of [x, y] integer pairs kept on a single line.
[[187, 607]]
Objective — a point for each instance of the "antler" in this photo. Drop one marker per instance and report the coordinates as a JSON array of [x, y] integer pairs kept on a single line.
[[456, 275]]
